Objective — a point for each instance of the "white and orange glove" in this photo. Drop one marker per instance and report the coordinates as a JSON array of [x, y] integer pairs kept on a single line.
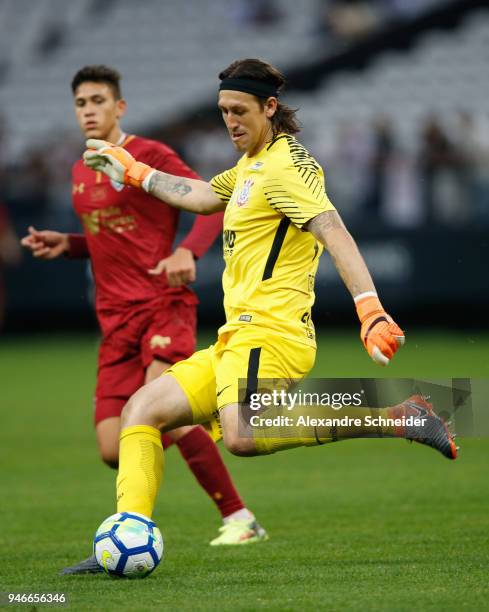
[[379, 334], [117, 164]]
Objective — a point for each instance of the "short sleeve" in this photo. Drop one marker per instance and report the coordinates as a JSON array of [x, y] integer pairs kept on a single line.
[[298, 192], [223, 184]]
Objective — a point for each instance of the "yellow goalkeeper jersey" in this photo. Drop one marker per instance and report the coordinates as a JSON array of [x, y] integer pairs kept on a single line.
[[270, 261]]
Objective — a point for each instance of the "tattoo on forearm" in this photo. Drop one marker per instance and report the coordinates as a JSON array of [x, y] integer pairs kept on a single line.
[[161, 184], [324, 222]]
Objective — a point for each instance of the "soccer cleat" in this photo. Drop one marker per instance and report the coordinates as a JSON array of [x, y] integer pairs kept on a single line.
[[434, 432], [240, 532], [87, 566]]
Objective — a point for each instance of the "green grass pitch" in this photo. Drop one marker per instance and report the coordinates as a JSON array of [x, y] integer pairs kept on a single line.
[[370, 524]]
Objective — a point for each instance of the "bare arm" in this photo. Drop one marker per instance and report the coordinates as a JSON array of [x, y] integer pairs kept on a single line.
[[380, 335], [178, 191], [185, 193], [330, 231]]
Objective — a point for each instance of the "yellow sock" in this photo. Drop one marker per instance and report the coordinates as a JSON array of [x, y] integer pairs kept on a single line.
[[278, 438], [140, 469]]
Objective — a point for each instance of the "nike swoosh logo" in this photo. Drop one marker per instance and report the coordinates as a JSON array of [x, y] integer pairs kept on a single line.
[[105, 557], [223, 389]]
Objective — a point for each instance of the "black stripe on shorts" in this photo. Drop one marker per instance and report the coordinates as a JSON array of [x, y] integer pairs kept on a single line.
[[252, 376]]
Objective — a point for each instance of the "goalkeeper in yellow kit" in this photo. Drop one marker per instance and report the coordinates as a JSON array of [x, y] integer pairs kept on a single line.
[[277, 220]]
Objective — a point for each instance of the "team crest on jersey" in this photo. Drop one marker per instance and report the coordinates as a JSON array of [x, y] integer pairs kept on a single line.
[[117, 186], [244, 194]]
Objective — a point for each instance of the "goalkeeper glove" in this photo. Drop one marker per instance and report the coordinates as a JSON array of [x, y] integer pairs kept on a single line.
[[379, 334], [117, 163]]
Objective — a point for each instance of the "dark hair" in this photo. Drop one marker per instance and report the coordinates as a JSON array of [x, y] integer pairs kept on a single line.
[[284, 119], [98, 74]]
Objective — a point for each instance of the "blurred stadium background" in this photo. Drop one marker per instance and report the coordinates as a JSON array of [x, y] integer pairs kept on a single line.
[[392, 95], [393, 98]]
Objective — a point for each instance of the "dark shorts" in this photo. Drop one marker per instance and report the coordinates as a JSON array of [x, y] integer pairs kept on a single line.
[[166, 333]]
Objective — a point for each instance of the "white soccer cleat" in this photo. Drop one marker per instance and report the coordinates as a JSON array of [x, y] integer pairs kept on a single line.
[[238, 532]]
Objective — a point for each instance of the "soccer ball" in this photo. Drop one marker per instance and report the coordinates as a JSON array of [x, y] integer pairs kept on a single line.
[[128, 544]]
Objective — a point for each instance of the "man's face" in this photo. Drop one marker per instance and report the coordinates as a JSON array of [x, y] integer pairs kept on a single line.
[[97, 111], [247, 122]]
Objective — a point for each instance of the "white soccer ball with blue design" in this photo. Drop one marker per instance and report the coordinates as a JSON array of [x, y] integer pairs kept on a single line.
[[128, 544]]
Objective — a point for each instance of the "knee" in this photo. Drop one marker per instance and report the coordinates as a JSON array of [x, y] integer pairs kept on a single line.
[[146, 407], [242, 447], [161, 404], [129, 412], [136, 411]]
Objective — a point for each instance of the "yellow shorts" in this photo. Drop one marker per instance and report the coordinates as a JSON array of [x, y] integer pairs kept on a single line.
[[212, 378]]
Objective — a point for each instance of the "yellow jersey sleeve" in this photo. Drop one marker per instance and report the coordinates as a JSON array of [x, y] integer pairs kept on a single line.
[[297, 191], [223, 184]]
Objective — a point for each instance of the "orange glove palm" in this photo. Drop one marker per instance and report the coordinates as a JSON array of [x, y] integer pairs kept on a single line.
[[117, 163], [379, 334]]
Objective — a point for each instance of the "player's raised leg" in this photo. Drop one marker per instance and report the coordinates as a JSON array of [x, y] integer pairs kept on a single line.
[[243, 439], [266, 364]]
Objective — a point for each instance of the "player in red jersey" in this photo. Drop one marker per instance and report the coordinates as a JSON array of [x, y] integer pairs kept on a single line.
[[147, 319]]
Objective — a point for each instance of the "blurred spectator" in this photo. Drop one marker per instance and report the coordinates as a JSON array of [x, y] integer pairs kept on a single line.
[[27, 184], [472, 140], [342, 22], [347, 170], [256, 12], [10, 253], [409, 9], [381, 158], [443, 173], [52, 38], [65, 147], [402, 206], [347, 21], [3, 142], [207, 150]]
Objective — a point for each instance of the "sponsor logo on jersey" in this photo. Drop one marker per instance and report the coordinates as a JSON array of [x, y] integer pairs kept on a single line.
[[228, 240], [244, 194], [110, 219], [256, 166]]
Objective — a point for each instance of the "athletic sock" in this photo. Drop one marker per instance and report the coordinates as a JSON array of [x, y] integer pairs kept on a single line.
[[240, 515], [280, 438], [166, 441], [205, 462], [140, 469]]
